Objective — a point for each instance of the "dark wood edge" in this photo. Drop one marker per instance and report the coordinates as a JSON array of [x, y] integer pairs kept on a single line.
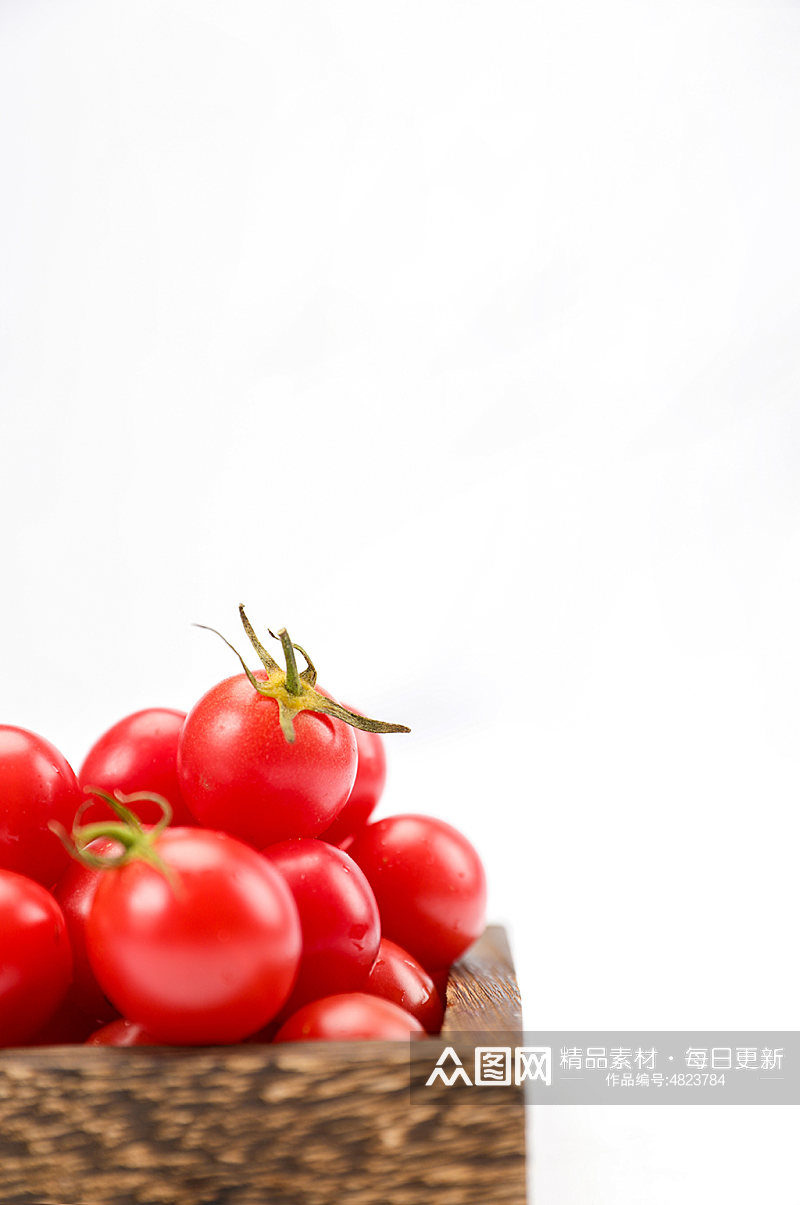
[[317, 1122], [482, 991]]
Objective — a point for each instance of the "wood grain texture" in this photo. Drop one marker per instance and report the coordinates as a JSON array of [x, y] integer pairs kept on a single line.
[[482, 990], [311, 1123]]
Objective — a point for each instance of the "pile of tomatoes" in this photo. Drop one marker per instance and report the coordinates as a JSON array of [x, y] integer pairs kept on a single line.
[[216, 877]]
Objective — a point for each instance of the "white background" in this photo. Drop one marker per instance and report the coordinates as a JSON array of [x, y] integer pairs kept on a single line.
[[462, 338]]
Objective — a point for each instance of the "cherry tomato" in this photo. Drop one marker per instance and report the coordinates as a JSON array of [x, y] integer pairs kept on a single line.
[[354, 1015], [398, 977], [75, 892], [138, 754], [204, 949], [37, 785], [367, 788], [35, 958], [440, 980], [69, 1026], [121, 1033], [265, 1035], [239, 774], [338, 918], [429, 884]]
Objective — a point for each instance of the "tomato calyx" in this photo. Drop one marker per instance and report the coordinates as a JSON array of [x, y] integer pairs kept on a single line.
[[294, 690], [137, 842]]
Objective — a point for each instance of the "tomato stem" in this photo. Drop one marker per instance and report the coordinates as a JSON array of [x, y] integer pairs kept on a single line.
[[309, 674], [137, 842], [264, 657], [250, 675], [293, 683], [294, 691]]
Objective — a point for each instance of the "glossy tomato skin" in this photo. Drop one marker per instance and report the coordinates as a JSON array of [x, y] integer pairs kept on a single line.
[[121, 1033], [367, 788], [429, 883], [35, 957], [75, 891], [239, 774], [338, 918], [351, 1016], [37, 785], [204, 954], [398, 977], [139, 753]]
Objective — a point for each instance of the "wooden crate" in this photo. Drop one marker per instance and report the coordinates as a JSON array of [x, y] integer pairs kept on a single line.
[[308, 1123]]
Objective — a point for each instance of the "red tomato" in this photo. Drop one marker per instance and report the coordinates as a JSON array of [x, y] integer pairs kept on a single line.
[[121, 1033], [206, 952], [440, 979], [138, 754], [429, 884], [367, 788], [36, 786], [353, 1015], [35, 958], [265, 1035], [398, 977], [69, 1026], [75, 892], [239, 774], [338, 918]]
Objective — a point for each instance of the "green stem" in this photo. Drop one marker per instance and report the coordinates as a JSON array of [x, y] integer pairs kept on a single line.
[[250, 675], [266, 660], [293, 683], [127, 831], [294, 691]]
